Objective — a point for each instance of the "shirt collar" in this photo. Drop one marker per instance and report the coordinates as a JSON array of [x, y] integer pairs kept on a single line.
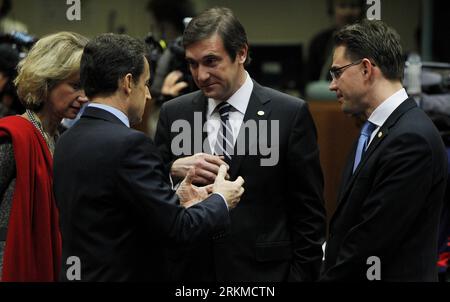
[[385, 109], [239, 100], [114, 111]]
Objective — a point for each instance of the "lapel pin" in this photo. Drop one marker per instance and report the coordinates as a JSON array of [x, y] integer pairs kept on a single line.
[[380, 134], [260, 113]]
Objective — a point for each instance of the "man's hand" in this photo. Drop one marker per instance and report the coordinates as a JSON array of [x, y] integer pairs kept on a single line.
[[171, 86], [206, 167], [230, 190], [190, 194]]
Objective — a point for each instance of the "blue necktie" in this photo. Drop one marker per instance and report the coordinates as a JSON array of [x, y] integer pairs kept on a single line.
[[224, 144], [363, 141]]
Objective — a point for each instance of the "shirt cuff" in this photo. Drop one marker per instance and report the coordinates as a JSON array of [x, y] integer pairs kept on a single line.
[[224, 200], [174, 186]]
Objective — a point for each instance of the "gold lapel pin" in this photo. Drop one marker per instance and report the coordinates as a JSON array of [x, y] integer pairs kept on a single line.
[[260, 113], [380, 134]]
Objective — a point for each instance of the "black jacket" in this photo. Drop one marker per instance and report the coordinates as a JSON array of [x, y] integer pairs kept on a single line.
[[278, 227], [116, 206]]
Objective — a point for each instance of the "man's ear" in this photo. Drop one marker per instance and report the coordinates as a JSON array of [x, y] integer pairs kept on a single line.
[[242, 54], [367, 68], [126, 83]]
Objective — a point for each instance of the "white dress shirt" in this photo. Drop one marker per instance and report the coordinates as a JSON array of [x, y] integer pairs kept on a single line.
[[382, 112], [116, 112], [239, 102]]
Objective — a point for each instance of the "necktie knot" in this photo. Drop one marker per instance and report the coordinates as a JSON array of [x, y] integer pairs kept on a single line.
[[224, 110], [363, 142], [368, 128]]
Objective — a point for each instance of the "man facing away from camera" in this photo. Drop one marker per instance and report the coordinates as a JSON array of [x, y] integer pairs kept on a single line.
[[115, 201]]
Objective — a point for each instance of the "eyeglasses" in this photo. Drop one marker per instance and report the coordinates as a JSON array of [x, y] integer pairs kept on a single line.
[[336, 72]]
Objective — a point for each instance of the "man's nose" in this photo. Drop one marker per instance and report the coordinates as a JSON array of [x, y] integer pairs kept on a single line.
[[203, 74], [82, 98], [332, 85]]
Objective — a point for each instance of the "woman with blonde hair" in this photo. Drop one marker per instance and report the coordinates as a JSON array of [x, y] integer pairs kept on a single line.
[[48, 86]]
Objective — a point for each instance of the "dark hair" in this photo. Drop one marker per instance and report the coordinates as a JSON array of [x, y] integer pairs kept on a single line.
[[218, 20], [9, 58], [376, 41], [5, 8], [361, 4], [107, 59], [172, 11]]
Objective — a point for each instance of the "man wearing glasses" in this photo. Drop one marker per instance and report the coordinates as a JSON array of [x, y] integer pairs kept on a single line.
[[394, 182]]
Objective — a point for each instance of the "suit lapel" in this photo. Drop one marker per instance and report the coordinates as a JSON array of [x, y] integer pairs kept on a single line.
[[199, 106], [348, 170], [382, 133], [258, 109]]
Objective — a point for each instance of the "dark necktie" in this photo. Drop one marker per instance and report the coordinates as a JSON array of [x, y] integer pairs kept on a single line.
[[224, 143], [363, 141]]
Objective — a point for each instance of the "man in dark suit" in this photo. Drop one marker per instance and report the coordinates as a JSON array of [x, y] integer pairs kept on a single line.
[[386, 222], [267, 137], [116, 205]]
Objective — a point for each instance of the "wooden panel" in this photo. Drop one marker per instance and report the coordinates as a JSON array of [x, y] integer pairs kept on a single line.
[[337, 133]]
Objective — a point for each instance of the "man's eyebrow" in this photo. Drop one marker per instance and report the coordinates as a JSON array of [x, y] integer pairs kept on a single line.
[[210, 56]]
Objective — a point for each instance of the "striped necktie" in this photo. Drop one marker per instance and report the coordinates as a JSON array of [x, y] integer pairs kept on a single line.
[[224, 144]]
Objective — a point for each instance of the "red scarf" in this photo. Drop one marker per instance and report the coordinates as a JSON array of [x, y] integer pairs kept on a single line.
[[33, 242]]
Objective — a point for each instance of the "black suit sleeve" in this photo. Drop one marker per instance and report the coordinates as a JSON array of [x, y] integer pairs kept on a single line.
[[394, 201], [162, 138], [144, 184], [305, 199]]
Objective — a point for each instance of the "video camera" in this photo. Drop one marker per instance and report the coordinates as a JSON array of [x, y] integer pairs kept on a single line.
[[154, 52], [178, 62], [163, 59], [22, 42]]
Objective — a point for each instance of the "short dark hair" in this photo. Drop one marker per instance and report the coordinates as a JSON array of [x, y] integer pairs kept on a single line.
[[107, 59], [222, 21], [376, 41], [361, 4], [9, 58]]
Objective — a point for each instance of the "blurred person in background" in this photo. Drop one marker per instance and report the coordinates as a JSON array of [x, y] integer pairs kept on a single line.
[[8, 24], [320, 53], [171, 76], [9, 101]]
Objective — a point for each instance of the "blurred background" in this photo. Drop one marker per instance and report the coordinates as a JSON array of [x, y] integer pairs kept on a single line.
[[266, 21], [280, 30]]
